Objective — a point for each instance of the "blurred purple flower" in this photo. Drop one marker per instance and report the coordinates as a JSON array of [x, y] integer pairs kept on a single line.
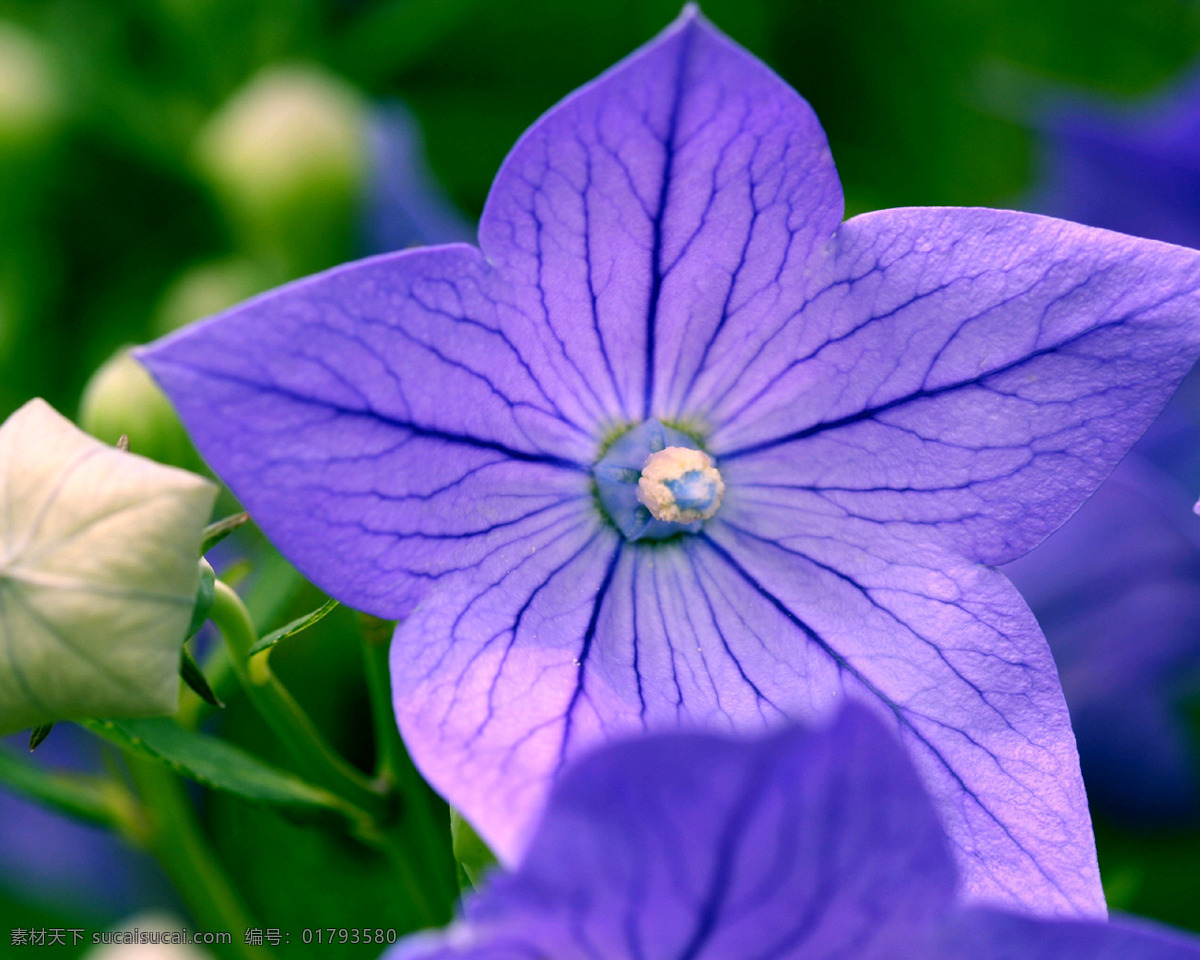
[[1118, 589], [1136, 169], [802, 846], [49, 858], [403, 205], [454, 436]]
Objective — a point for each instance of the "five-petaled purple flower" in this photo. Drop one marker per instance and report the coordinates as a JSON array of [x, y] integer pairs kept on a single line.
[[454, 436], [801, 846]]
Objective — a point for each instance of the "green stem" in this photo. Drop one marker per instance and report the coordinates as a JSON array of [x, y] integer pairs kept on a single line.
[[176, 840], [391, 757], [283, 714], [325, 767], [95, 799], [430, 912], [427, 824], [266, 598]]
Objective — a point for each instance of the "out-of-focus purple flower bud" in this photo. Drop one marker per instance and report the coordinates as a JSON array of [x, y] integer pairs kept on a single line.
[[403, 205]]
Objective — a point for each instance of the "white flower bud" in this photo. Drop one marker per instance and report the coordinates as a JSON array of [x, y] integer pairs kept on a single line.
[[30, 98], [146, 936], [98, 573]]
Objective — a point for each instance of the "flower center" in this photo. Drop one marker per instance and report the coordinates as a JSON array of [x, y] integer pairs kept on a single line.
[[655, 482], [680, 485]]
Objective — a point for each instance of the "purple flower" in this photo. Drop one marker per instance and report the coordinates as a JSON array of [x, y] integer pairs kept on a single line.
[[801, 846], [1136, 169], [1117, 591], [50, 859], [403, 204], [454, 436]]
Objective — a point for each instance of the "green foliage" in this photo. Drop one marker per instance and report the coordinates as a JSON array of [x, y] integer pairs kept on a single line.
[[356, 886], [474, 857], [291, 629], [193, 676], [222, 766]]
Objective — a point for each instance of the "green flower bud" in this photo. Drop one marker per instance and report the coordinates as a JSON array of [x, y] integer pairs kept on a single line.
[[30, 98], [287, 155], [121, 398], [98, 573], [207, 288]]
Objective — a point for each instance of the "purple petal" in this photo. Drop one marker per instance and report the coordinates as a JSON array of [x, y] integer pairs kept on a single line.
[[685, 188], [989, 935], [382, 421], [771, 615], [972, 374], [490, 676], [947, 650], [801, 845]]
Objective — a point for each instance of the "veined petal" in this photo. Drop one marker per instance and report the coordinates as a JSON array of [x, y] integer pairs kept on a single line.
[[490, 674], [785, 848], [380, 421], [948, 651], [774, 614], [972, 373], [678, 194]]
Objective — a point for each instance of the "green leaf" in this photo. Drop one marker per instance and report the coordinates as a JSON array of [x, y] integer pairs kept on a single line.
[[38, 735], [214, 533], [204, 598], [473, 855], [224, 767], [194, 677], [300, 623], [84, 796]]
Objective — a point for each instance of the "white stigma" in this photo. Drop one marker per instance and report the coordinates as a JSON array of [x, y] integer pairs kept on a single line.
[[680, 485]]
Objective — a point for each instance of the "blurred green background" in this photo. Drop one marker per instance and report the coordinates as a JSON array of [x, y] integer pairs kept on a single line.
[[139, 189]]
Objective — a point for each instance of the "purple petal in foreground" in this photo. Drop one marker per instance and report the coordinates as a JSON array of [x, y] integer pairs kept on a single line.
[[381, 422], [801, 846], [990, 935], [890, 403], [993, 366], [685, 190]]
